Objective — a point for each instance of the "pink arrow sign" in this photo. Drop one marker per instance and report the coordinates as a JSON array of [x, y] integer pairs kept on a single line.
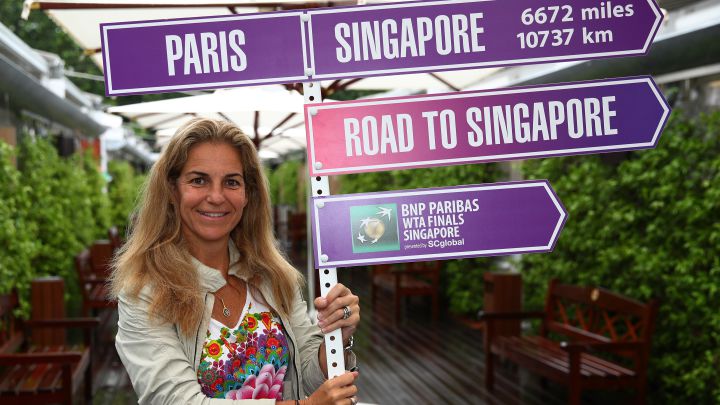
[[484, 126]]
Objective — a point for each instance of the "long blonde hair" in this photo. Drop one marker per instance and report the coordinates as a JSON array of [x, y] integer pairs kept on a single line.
[[155, 253]]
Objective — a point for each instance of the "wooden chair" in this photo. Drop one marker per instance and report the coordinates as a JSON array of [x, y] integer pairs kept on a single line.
[[92, 285], [594, 324], [408, 279], [31, 374]]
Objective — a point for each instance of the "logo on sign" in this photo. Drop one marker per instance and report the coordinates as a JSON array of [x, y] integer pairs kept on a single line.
[[374, 228]]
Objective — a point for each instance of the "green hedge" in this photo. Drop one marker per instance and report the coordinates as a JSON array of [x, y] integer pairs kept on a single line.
[[100, 204], [17, 231], [462, 279], [50, 209], [647, 224], [286, 187], [123, 191]]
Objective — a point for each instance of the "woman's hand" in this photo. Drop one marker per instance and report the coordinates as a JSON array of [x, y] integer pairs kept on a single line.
[[330, 311], [340, 390]]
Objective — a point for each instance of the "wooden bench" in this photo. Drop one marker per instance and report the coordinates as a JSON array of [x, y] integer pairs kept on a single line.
[[604, 340], [31, 374], [408, 279]]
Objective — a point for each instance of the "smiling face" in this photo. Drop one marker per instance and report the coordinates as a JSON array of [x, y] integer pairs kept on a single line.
[[210, 193]]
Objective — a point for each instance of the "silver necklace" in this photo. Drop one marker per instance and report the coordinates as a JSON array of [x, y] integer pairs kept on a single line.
[[226, 310]]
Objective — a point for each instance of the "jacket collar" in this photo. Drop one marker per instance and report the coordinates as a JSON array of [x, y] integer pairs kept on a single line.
[[211, 279]]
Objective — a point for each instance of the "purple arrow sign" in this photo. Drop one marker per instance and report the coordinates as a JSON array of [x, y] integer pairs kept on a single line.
[[436, 224], [462, 34], [203, 53], [335, 43], [484, 126]]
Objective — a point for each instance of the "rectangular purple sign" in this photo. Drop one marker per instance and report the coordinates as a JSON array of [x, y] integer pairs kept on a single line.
[[484, 126], [203, 53], [463, 34], [436, 224]]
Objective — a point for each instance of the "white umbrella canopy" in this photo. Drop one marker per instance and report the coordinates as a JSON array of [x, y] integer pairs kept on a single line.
[[438, 82], [270, 115], [261, 98], [280, 145]]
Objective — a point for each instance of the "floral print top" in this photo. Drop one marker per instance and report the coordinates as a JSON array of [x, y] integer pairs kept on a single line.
[[248, 361]]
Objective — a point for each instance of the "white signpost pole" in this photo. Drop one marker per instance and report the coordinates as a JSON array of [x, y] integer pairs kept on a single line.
[[320, 186]]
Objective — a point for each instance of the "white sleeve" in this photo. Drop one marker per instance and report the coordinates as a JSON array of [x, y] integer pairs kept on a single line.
[[153, 357], [309, 338]]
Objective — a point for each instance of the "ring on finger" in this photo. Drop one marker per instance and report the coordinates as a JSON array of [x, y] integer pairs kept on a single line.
[[346, 312]]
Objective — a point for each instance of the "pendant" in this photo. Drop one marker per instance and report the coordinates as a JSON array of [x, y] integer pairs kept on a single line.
[[226, 311]]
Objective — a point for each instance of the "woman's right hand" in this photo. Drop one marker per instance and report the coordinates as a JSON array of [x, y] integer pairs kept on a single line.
[[336, 391]]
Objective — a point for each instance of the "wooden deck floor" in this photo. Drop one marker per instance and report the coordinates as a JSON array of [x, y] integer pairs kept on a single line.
[[421, 362], [415, 362], [110, 380]]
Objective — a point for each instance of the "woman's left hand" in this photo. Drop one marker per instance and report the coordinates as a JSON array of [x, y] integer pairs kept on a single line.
[[330, 311]]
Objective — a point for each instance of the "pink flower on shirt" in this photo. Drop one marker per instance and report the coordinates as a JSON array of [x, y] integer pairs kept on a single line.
[[267, 384]]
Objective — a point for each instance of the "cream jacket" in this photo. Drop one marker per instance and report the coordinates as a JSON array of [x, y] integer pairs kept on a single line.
[[162, 363]]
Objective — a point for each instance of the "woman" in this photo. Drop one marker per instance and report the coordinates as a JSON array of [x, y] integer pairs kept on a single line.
[[208, 307]]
